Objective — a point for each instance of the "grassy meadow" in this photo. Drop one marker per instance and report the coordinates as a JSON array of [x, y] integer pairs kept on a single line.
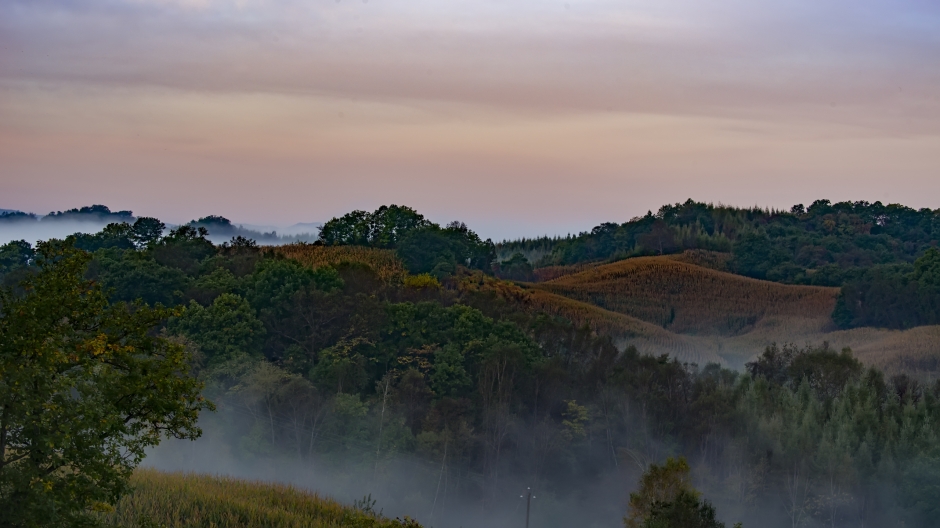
[[177, 500]]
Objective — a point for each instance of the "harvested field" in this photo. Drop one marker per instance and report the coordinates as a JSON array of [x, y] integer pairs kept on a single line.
[[690, 299], [707, 259]]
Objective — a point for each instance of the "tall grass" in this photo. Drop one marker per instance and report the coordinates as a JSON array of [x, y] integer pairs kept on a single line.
[[176, 500], [384, 261]]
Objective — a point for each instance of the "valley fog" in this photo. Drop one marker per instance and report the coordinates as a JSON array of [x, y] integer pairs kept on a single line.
[[436, 493]]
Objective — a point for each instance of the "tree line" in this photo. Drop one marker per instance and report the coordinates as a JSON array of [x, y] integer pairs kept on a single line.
[[339, 365], [870, 250]]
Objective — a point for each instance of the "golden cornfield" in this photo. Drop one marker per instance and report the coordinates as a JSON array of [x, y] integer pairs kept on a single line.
[[175, 500], [718, 317], [690, 299], [384, 261], [548, 273], [702, 257], [624, 329]]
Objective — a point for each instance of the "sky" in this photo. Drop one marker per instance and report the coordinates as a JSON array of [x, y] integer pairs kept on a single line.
[[520, 118]]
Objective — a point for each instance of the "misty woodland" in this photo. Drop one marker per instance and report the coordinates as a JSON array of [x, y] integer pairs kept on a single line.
[[700, 366]]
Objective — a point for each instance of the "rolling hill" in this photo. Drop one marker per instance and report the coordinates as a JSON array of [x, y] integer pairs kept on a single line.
[[671, 305], [690, 299]]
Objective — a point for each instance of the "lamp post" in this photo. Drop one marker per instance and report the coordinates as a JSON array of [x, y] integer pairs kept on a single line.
[[528, 504]]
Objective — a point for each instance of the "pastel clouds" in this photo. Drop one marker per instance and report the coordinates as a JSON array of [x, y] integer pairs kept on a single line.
[[519, 117]]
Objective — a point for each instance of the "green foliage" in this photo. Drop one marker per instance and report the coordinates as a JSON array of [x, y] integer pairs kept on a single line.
[[756, 255], [439, 252], [275, 281], [382, 228], [920, 490], [516, 268], [342, 366], [659, 486], [825, 244], [826, 371], [16, 254], [686, 510], [15, 258], [226, 328], [575, 417], [449, 376], [85, 388], [131, 275], [325, 358], [113, 235], [146, 231], [423, 246], [893, 296], [184, 248]]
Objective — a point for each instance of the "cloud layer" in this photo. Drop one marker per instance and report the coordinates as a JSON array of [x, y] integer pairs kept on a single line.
[[519, 117]]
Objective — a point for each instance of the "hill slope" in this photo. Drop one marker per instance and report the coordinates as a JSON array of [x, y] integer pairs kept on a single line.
[[690, 299], [718, 317], [175, 500]]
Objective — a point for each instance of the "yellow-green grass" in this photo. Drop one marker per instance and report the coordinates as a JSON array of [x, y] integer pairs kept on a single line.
[[177, 500], [690, 299], [384, 261]]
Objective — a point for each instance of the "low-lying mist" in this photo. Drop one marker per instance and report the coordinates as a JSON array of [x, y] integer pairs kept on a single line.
[[437, 493], [35, 231]]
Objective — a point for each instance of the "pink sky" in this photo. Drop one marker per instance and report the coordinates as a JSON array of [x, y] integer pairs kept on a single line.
[[519, 118]]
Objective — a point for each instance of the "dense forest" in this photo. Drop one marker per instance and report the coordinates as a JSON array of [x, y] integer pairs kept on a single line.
[[322, 352], [869, 249]]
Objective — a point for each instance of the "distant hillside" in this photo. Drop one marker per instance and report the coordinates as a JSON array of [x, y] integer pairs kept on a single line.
[[690, 299], [880, 255], [806, 245], [174, 500], [716, 316]]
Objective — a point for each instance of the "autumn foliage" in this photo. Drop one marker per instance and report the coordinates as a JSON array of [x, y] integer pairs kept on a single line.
[[388, 266]]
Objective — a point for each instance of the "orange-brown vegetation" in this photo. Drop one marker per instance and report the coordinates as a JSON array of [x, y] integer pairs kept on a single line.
[[384, 261], [715, 260], [553, 272], [177, 500], [624, 329], [686, 298]]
